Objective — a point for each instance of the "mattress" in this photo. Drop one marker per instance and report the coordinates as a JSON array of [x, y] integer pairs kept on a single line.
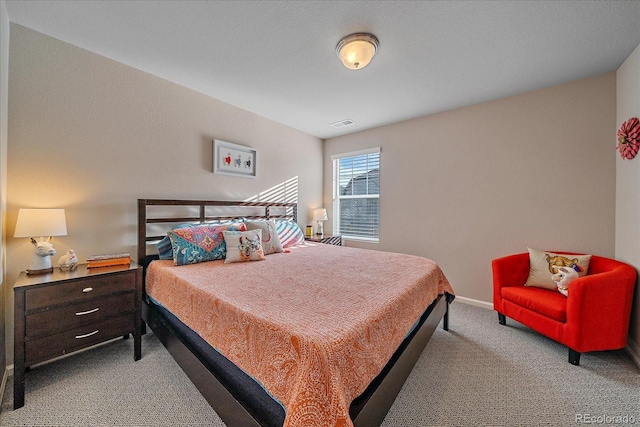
[[313, 326]]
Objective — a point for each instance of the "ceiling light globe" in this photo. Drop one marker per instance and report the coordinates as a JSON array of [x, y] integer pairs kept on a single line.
[[356, 50]]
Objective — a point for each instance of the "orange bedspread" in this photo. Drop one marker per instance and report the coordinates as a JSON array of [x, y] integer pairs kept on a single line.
[[314, 326]]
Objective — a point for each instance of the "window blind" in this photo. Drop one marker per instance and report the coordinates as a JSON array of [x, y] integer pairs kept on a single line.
[[356, 194]]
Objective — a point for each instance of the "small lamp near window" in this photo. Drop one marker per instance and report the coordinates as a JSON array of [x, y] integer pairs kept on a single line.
[[42, 224], [320, 215]]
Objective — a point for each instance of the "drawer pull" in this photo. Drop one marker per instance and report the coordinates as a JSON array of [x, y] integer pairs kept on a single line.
[[86, 290], [82, 313], [86, 335]]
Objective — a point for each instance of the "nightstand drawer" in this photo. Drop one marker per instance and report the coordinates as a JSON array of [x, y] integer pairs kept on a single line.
[[65, 342], [73, 316], [79, 290]]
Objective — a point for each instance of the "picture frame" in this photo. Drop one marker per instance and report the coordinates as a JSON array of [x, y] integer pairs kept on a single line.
[[233, 159]]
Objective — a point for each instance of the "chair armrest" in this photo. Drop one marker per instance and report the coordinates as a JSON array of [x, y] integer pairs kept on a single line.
[[599, 307], [511, 270]]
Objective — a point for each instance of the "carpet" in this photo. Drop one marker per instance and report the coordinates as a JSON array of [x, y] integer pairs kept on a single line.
[[479, 373]]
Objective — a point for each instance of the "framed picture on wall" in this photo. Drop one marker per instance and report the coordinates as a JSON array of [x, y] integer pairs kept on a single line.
[[234, 159]]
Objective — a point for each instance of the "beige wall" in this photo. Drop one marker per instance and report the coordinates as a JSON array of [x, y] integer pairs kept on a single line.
[[628, 187], [470, 185], [92, 135], [463, 187]]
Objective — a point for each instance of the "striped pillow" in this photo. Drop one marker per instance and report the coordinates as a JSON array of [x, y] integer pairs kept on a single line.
[[289, 233]]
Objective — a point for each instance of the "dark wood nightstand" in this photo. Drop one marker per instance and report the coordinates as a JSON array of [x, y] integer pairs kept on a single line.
[[65, 311], [326, 239]]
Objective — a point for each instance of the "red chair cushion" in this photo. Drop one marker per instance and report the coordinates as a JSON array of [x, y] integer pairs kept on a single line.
[[543, 301]]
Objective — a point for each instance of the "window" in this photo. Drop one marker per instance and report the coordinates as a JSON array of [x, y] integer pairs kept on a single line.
[[356, 194]]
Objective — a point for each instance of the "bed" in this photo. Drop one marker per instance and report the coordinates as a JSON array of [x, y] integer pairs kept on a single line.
[[327, 360]]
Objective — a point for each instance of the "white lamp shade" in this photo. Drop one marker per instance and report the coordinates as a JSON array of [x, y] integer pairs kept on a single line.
[[320, 215], [41, 223], [356, 50]]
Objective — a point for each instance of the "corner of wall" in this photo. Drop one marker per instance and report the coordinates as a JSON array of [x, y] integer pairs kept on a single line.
[[4, 117], [627, 245], [632, 350]]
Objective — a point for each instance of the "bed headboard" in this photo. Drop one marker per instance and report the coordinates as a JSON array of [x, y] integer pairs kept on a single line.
[[157, 216]]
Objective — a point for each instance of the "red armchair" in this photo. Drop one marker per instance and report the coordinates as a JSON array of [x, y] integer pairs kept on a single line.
[[595, 315]]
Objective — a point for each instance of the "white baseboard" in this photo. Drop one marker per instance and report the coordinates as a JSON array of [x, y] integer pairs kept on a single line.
[[3, 383], [475, 302], [632, 352]]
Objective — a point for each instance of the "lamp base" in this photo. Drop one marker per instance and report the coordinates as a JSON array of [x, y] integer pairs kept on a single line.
[[41, 271]]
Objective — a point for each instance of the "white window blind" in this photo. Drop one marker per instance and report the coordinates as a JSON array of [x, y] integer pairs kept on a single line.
[[356, 194]]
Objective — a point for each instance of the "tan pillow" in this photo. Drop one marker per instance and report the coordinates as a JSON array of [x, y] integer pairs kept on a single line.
[[270, 240], [543, 264]]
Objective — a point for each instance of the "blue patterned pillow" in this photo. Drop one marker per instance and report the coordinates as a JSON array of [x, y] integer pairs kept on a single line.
[[165, 251], [201, 243], [289, 233]]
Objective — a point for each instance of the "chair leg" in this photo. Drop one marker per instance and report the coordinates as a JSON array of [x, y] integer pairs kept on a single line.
[[574, 357], [502, 319]]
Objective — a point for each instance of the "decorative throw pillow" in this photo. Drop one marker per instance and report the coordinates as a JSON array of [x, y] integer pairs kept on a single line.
[[289, 233], [201, 243], [165, 250], [542, 265], [270, 240], [243, 246]]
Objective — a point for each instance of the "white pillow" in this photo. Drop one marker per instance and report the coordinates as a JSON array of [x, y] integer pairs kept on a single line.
[[542, 265], [270, 240], [243, 246]]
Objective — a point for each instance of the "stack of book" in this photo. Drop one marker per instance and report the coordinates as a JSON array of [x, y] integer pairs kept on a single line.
[[108, 260]]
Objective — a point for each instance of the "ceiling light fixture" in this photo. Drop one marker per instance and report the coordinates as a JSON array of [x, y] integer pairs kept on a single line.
[[356, 50]]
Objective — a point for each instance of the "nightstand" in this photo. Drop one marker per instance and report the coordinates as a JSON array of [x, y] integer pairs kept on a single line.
[[65, 311], [326, 239]]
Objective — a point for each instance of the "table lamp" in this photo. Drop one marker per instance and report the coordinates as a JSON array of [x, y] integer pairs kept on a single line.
[[320, 215], [43, 224]]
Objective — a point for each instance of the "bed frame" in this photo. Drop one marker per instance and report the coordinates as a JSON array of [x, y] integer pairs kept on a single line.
[[368, 409]]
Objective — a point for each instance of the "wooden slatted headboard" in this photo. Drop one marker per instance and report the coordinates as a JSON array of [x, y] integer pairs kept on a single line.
[[172, 212]]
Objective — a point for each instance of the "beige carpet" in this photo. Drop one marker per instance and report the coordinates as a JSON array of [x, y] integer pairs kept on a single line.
[[479, 373]]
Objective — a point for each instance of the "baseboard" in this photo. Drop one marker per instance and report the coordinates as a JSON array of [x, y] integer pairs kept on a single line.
[[3, 384], [475, 302], [630, 349]]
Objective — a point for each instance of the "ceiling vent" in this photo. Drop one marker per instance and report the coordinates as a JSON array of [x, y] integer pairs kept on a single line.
[[343, 123]]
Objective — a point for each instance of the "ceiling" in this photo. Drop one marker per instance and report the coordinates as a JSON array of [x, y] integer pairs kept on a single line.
[[277, 58]]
